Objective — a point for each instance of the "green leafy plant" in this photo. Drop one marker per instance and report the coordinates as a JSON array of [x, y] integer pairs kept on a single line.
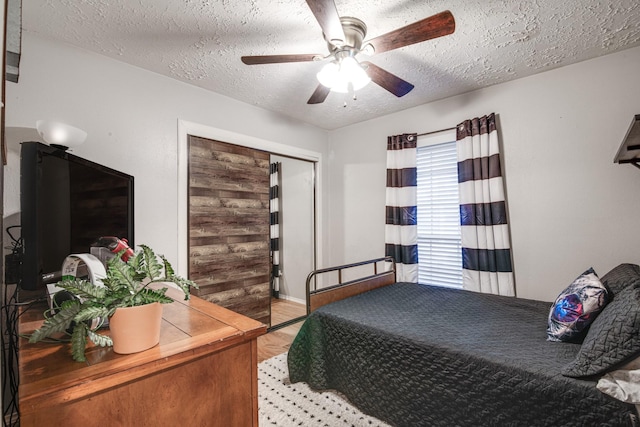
[[125, 285]]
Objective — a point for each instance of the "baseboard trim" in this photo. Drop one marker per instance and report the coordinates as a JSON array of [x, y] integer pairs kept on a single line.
[[292, 299]]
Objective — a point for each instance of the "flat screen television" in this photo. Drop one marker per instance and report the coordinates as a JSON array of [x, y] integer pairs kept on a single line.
[[66, 204]]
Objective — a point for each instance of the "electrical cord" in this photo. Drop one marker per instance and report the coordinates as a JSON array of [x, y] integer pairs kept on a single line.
[[10, 380], [9, 340], [13, 261]]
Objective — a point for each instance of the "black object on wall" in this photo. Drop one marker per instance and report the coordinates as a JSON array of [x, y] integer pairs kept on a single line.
[[13, 40], [629, 151]]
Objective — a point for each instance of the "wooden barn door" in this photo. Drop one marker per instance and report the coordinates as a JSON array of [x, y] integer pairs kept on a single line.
[[229, 226]]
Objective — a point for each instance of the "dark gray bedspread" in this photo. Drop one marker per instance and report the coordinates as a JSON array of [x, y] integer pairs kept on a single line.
[[416, 355]]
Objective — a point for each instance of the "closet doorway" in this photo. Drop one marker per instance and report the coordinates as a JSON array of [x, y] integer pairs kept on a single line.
[[298, 228], [292, 235]]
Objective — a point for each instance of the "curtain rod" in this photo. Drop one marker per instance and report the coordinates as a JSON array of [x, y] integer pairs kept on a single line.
[[436, 131]]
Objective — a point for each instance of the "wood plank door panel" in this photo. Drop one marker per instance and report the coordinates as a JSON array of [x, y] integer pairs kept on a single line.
[[229, 226]]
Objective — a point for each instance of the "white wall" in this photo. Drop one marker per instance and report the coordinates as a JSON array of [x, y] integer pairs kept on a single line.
[[131, 117], [570, 206]]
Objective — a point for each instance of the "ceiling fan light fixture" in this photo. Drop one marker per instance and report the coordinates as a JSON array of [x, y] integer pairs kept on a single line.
[[328, 75], [343, 75]]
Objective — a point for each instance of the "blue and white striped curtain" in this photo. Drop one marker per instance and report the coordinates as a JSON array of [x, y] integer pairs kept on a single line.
[[274, 209], [486, 247], [401, 229]]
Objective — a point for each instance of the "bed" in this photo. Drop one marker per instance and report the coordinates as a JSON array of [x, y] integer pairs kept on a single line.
[[420, 355]]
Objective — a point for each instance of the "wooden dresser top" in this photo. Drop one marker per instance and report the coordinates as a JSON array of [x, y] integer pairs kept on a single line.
[[190, 329]]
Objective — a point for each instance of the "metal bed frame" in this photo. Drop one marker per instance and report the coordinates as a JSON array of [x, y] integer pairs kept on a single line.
[[316, 298]]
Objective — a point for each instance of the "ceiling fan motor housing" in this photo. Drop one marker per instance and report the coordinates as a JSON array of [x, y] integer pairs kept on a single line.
[[354, 32]]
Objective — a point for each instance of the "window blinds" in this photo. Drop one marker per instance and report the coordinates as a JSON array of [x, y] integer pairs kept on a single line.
[[439, 249]]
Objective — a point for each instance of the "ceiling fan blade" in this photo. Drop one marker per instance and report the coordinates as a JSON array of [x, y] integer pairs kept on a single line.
[[435, 26], [276, 59], [388, 81], [327, 16], [319, 95]]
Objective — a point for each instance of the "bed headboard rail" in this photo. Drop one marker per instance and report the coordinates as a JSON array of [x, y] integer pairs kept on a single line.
[[341, 290]]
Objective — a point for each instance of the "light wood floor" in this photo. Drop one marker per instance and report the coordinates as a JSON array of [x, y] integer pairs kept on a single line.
[[278, 341]]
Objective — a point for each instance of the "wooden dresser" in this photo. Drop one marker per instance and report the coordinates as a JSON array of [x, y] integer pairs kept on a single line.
[[203, 373]]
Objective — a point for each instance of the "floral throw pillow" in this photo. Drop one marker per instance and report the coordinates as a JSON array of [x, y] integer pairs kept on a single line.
[[576, 307]]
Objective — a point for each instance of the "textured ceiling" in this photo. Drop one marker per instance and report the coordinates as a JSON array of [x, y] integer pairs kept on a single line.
[[201, 41]]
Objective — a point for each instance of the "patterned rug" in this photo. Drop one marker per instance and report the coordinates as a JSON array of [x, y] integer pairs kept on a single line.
[[283, 404]]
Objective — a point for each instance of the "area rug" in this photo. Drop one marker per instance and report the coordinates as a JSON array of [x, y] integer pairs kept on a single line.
[[284, 404]]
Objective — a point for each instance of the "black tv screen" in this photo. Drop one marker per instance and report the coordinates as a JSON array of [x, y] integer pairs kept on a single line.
[[66, 204]]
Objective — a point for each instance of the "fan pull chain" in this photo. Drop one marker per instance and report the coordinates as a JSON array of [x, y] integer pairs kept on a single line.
[[354, 98], [350, 92]]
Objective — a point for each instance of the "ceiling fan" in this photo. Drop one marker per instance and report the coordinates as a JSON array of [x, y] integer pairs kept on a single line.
[[344, 37]]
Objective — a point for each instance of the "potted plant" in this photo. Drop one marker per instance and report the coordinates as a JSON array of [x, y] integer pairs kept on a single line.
[[125, 288]]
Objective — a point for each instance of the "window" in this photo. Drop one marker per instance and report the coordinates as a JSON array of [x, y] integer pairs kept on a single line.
[[439, 248]]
